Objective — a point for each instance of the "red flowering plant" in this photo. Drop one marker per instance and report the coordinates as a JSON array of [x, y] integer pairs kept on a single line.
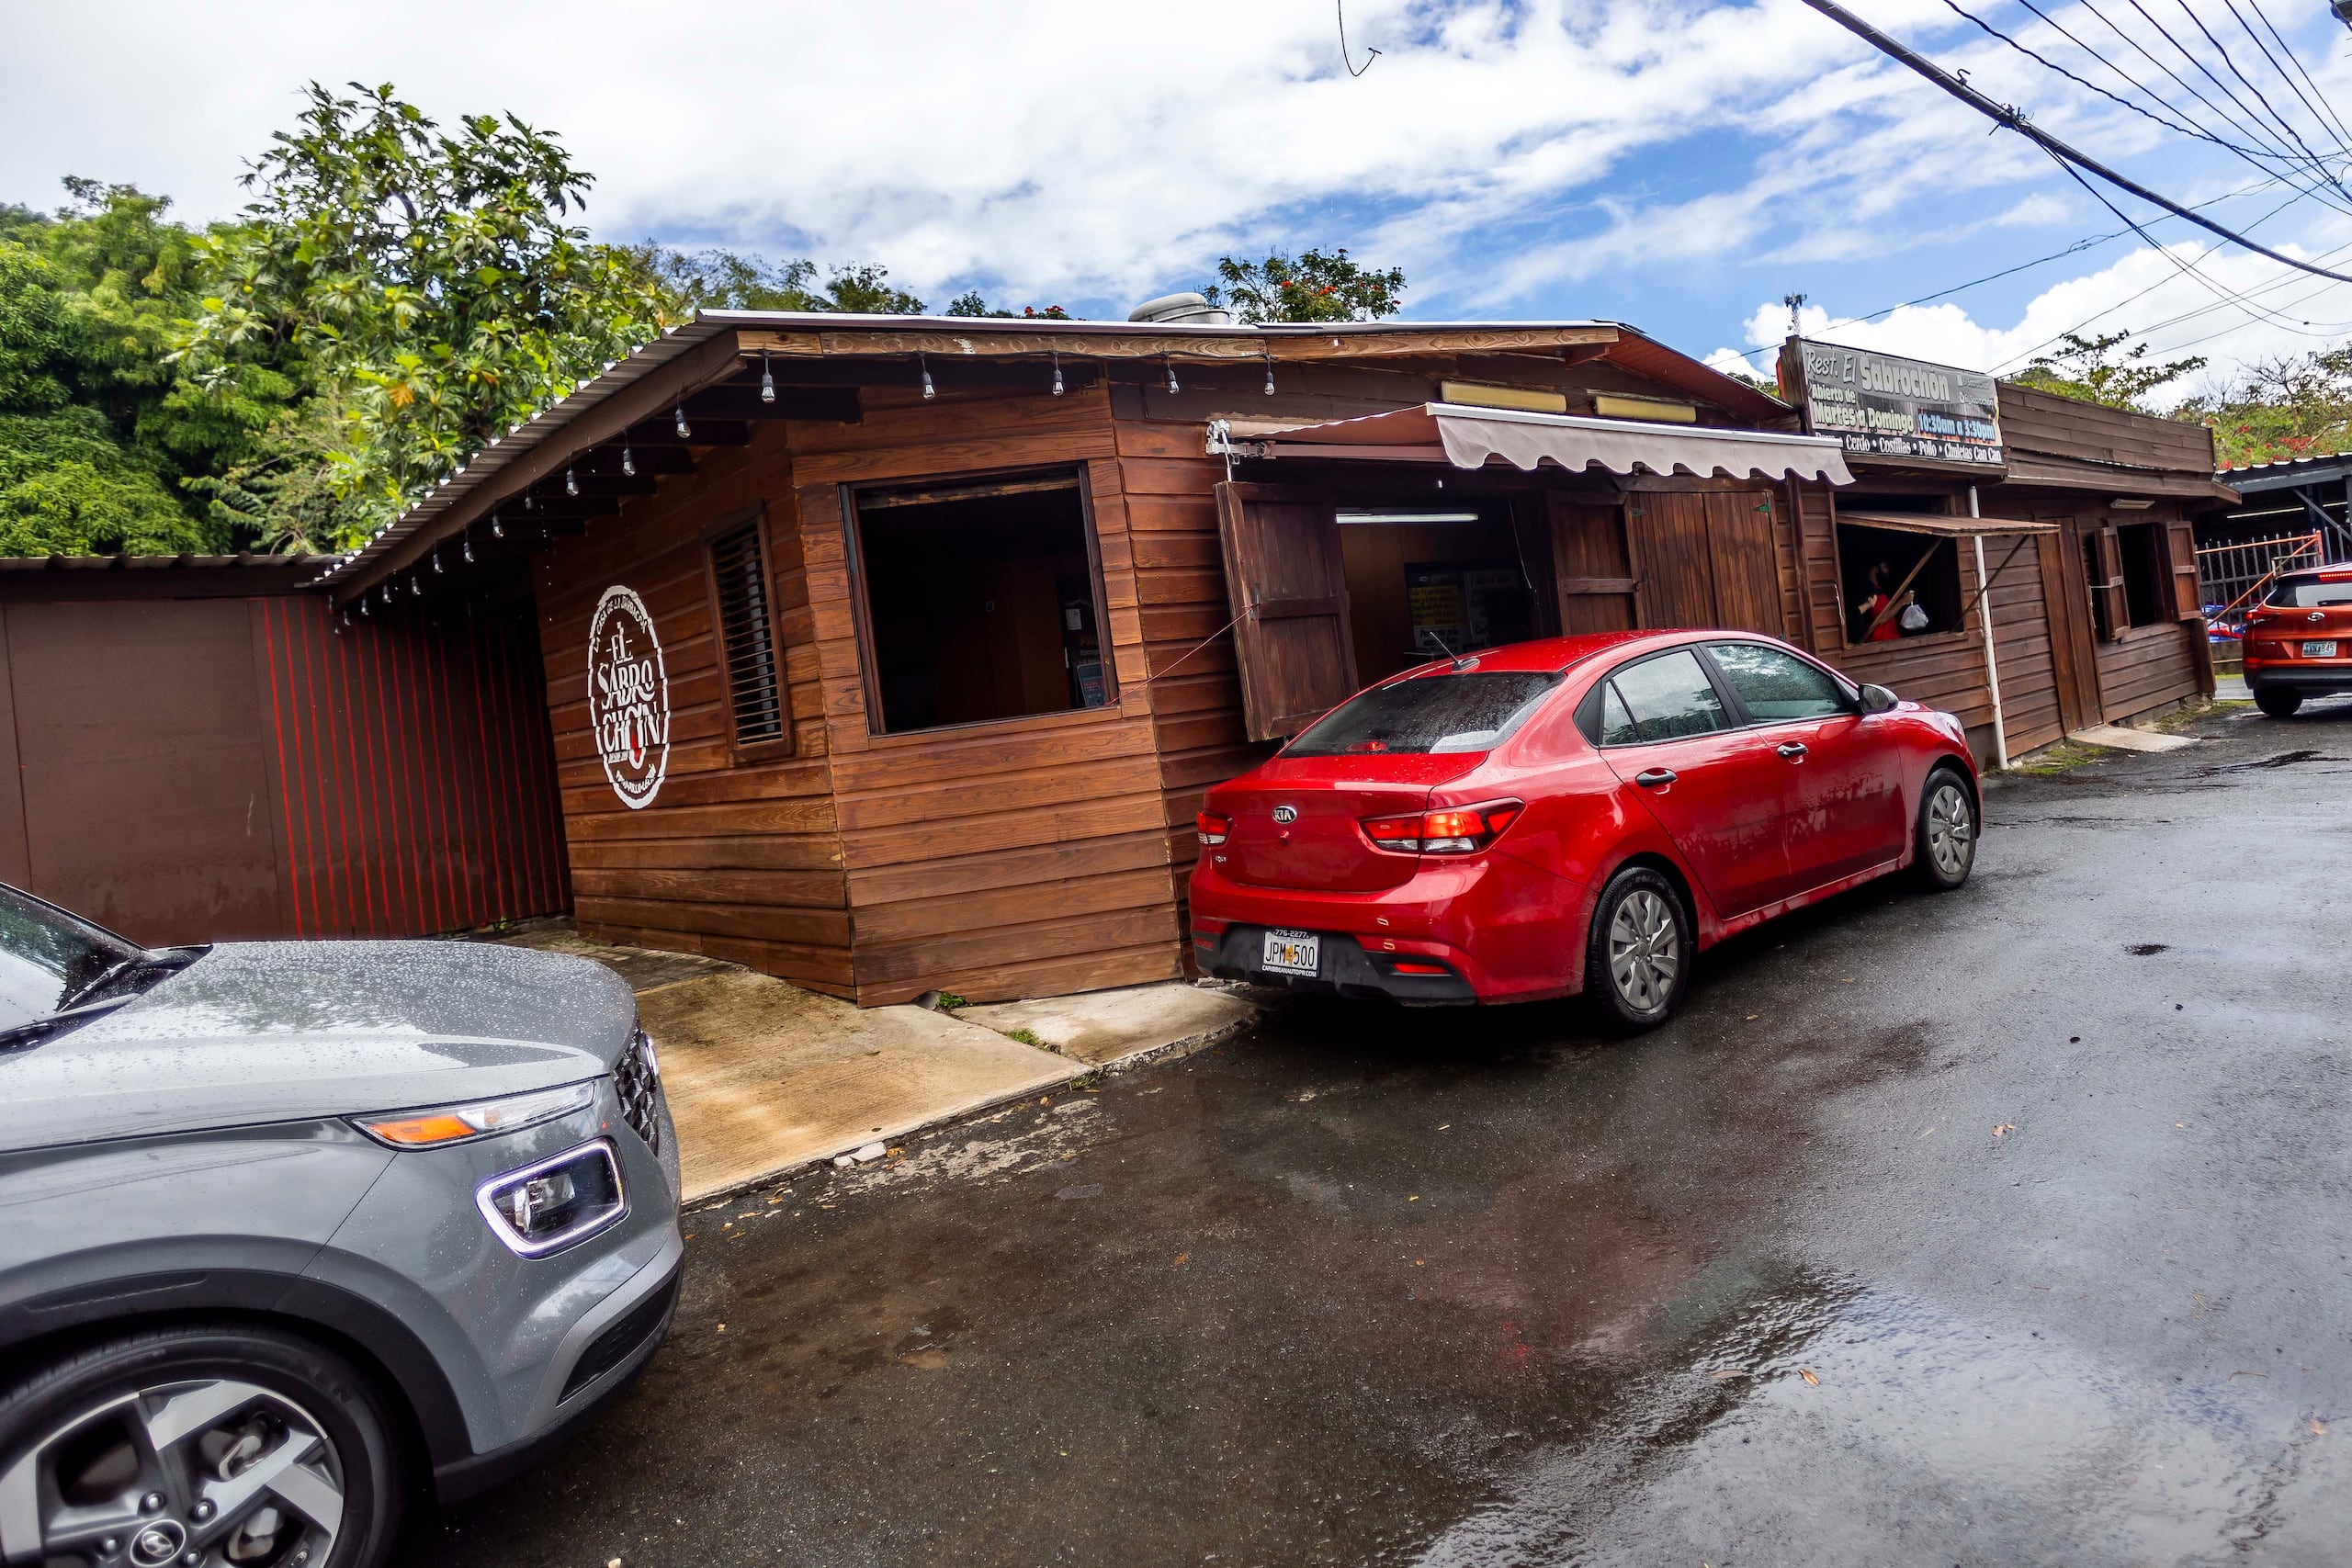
[[1310, 287]]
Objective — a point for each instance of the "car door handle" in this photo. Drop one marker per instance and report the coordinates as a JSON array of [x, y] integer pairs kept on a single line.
[[1655, 778], [1793, 749]]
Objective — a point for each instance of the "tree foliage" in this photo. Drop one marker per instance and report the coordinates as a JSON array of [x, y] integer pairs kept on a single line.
[[1312, 287], [2300, 406], [430, 280], [721, 279], [2094, 370]]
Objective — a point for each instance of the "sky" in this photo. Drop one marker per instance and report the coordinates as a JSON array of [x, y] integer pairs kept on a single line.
[[1677, 164]]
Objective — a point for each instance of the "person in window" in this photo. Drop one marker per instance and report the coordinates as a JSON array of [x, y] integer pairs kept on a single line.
[[1877, 617]]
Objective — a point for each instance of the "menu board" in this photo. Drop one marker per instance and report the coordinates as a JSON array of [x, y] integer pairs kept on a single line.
[[1904, 411]]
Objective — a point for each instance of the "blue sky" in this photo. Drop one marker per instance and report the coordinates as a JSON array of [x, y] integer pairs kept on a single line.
[[1679, 164]]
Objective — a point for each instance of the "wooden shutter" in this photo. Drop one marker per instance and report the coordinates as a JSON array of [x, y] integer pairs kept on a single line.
[[2114, 611], [1747, 566], [2181, 549], [1289, 588], [1670, 526], [742, 602], [1593, 566]]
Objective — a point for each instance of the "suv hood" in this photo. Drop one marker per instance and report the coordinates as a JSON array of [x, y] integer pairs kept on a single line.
[[288, 1031]]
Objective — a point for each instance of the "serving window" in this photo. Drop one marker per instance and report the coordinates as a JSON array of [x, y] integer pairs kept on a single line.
[[978, 601], [1896, 585]]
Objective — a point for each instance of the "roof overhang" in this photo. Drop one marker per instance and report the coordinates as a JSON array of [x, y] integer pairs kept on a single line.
[[1944, 528], [2115, 478], [1471, 437]]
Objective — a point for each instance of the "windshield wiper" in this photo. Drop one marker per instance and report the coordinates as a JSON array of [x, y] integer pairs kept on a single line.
[[33, 1031], [166, 960]]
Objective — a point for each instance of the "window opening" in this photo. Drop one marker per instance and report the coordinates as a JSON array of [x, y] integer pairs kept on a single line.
[[1666, 698], [1898, 584], [1426, 581], [755, 693], [2141, 545], [981, 603]]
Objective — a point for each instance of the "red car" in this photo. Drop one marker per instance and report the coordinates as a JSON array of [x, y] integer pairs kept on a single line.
[[2298, 639], [1582, 814]]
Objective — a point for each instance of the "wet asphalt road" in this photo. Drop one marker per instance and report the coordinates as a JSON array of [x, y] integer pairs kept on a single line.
[[2003, 1227]]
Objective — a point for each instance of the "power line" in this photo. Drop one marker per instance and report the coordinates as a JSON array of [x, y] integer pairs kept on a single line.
[[2342, 131], [2259, 96], [2293, 86], [2002, 115], [2228, 118]]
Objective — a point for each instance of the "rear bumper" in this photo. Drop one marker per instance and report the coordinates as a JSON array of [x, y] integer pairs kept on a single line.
[[2312, 680], [1503, 930]]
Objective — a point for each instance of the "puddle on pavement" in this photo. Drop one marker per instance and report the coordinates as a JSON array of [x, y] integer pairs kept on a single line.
[[2027, 1448]]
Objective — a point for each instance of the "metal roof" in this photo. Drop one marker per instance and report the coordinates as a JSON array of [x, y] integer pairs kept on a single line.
[[2287, 472], [486, 464], [249, 560]]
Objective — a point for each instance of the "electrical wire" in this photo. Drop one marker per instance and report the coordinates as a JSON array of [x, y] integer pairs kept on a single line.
[[2259, 96], [2342, 130], [2178, 80], [2333, 132]]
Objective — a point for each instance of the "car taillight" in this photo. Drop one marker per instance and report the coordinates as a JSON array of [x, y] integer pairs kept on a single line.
[[1213, 828], [1453, 830]]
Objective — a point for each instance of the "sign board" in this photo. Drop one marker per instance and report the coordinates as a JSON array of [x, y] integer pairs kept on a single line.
[[1899, 411], [629, 697]]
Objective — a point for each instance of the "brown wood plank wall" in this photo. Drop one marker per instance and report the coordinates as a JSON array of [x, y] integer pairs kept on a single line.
[[740, 860], [2148, 668], [1025, 857], [2022, 645]]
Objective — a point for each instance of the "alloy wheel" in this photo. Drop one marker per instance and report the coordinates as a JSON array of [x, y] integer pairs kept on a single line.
[[1951, 828], [215, 1472], [1644, 949]]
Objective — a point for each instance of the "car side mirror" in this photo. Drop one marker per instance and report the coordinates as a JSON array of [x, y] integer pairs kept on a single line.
[[1878, 699]]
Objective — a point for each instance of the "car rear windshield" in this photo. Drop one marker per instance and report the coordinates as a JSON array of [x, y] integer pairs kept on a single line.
[[2309, 593], [1470, 711]]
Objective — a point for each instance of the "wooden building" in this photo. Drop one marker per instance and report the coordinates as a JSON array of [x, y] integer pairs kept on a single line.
[[893, 655]]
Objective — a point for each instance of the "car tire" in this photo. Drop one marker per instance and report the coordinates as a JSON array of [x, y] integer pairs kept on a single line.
[[216, 1402], [1638, 953], [2278, 702], [1943, 842]]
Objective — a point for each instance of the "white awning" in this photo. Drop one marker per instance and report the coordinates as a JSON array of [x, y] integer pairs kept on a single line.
[[1471, 437]]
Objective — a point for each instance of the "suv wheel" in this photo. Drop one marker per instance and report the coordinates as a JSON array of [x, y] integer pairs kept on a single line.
[[1637, 958], [1945, 844], [2278, 702], [214, 1445]]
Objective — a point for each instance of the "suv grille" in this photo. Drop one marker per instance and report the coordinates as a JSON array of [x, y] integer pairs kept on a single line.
[[639, 1082]]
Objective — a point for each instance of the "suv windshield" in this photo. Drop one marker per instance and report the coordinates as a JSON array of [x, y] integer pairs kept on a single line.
[[47, 957], [1444, 712], [2307, 593]]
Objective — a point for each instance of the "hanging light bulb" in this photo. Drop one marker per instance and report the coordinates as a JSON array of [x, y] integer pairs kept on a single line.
[[768, 379], [388, 593], [436, 563], [468, 548], [1058, 375], [1172, 371], [347, 619], [628, 461], [415, 589], [365, 611], [530, 503], [928, 389], [678, 411], [571, 480], [498, 529], [1270, 372]]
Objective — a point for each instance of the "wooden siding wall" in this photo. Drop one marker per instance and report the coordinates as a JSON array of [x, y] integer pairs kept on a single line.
[[739, 860], [2044, 423], [207, 768], [1025, 857], [2030, 711]]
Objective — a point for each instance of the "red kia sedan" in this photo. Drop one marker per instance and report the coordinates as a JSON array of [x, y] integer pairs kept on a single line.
[[2298, 639], [1582, 814]]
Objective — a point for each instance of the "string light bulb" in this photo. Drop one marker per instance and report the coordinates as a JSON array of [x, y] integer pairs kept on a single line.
[[468, 547], [436, 563], [570, 479], [929, 391], [1172, 371], [1058, 375], [1270, 372], [628, 461], [365, 611], [678, 411], [415, 589], [768, 379], [498, 529]]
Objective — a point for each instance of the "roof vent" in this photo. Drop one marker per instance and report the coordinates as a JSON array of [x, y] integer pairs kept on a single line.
[[1183, 309]]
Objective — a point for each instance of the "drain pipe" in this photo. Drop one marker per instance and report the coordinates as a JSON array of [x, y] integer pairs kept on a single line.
[[1992, 669]]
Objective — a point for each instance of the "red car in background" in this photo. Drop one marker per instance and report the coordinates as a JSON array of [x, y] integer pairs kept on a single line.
[[1581, 814], [2298, 639]]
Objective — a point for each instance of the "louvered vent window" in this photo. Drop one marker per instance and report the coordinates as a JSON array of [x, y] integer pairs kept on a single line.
[[753, 689]]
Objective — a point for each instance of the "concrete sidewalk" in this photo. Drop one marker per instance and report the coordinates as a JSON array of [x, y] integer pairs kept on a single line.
[[764, 1077]]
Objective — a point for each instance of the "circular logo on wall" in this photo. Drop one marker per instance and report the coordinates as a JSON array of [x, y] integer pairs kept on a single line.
[[629, 697]]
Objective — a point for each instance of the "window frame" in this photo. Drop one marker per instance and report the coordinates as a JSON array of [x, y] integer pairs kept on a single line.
[[1846, 643], [741, 751], [1724, 692], [870, 672], [2147, 542], [1846, 689]]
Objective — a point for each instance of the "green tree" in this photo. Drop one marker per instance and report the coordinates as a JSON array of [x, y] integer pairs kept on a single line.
[[971, 304], [2092, 369], [1312, 287], [430, 280], [720, 279], [2297, 406]]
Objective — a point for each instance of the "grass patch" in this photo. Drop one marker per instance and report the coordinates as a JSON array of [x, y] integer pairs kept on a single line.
[[1026, 1037], [2203, 707], [2063, 757]]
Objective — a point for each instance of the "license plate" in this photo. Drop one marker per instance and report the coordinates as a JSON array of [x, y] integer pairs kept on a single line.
[[1294, 952], [2320, 649]]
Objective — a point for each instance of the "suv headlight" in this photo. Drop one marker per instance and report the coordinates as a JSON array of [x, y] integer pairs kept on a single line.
[[477, 1118], [555, 1202]]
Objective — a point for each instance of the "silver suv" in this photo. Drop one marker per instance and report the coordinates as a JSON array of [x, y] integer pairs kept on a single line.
[[290, 1228]]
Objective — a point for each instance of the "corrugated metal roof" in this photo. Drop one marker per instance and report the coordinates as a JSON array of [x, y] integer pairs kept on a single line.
[[2287, 471], [249, 560]]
